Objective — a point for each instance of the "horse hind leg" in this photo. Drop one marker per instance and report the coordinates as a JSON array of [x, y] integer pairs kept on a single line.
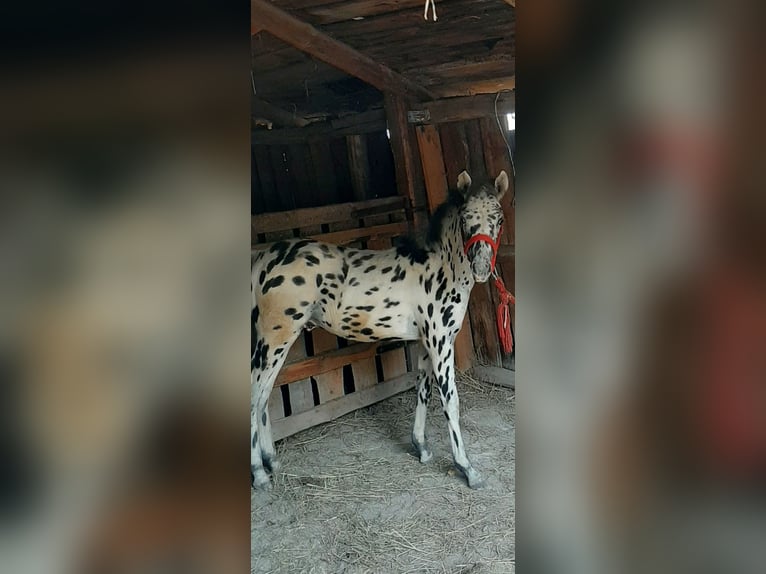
[[425, 376], [267, 360]]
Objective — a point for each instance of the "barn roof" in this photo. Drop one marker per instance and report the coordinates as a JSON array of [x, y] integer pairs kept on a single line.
[[319, 59]]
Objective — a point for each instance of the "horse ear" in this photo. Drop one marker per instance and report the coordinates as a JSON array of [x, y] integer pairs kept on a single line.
[[501, 184], [463, 182]]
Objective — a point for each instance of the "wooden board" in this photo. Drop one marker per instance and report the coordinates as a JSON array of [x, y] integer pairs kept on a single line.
[[301, 218], [329, 359], [495, 376]]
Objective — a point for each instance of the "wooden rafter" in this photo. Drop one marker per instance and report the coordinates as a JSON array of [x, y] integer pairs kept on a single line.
[[478, 87], [462, 108], [260, 108], [319, 45]]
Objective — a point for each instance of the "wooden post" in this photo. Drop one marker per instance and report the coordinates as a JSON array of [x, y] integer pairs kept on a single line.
[[403, 146], [435, 175], [432, 160]]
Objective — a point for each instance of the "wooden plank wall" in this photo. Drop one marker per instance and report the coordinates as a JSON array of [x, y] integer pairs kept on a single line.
[[477, 146], [321, 172]]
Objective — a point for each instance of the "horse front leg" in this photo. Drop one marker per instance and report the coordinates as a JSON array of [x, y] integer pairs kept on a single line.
[[425, 376], [442, 358]]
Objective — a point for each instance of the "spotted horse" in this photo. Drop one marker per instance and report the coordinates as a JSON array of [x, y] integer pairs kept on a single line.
[[412, 292]]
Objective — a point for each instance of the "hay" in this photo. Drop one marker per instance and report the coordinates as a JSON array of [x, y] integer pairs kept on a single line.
[[353, 498]]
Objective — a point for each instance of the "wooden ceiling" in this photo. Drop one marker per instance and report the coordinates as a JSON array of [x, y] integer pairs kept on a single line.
[[470, 49]]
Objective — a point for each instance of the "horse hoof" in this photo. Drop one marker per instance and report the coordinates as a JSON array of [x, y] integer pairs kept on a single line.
[[272, 465], [477, 483], [260, 480], [425, 456], [262, 486]]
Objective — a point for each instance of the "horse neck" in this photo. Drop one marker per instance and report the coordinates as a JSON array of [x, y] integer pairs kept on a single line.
[[451, 252]]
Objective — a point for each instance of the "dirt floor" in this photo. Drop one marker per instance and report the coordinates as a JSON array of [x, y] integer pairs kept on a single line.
[[351, 497]]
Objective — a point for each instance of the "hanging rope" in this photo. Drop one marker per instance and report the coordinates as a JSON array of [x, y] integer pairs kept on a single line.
[[504, 315]]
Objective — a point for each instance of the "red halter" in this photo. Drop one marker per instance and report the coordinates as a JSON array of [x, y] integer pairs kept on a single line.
[[506, 298], [486, 239]]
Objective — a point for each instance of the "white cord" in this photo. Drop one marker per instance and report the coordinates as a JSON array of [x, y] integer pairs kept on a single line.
[[432, 3], [502, 133]]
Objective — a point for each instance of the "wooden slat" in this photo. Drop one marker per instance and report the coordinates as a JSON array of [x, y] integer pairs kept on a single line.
[[464, 354], [326, 49], [358, 166], [329, 383], [339, 407], [495, 376], [265, 174], [284, 193], [276, 405], [362, 234], [325, 362], [326, 182], [477, 168], [455, 150], [463, 108], [301, 395], [352, 235], [298, 218]]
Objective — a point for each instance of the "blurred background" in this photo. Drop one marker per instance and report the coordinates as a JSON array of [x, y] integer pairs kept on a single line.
[[641, 287], [125, 226]]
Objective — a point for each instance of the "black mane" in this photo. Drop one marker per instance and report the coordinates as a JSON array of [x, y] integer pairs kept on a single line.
[[409, 247]]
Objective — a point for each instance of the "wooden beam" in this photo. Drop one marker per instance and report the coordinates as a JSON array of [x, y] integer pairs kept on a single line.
[[477, 87], [511, 3], [316, 131], [263, 109], [324, 363], [319, 45], [462, 108]]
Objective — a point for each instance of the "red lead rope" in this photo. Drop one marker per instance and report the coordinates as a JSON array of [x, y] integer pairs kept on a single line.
[[506, 298], [504, 315]]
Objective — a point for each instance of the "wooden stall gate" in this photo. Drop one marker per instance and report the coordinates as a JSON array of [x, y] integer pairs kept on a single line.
[[326, 376]]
